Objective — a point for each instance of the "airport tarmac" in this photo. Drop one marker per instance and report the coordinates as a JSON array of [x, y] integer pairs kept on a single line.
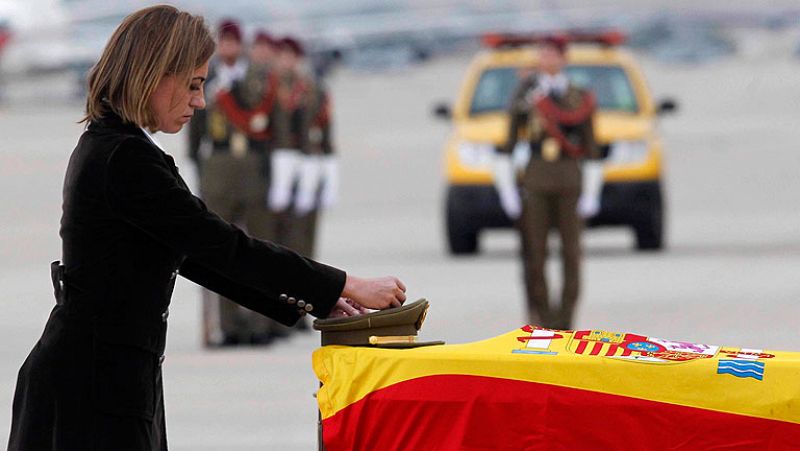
[[728, 276]]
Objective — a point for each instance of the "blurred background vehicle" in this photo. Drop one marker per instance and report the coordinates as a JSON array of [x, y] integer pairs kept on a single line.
[[625, 129], [34, 37]]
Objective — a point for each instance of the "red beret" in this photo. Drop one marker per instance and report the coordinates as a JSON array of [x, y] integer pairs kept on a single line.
[[291, 44], [230, 28], [262, 37]]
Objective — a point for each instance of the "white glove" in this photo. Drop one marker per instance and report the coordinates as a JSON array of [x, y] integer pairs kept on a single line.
[[506, 187], [226, 76], [283, 171], [330, 181], [310, 174], [589, 202], [224, 82]]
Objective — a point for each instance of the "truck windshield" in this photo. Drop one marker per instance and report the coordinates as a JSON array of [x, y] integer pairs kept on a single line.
[[609, 83]]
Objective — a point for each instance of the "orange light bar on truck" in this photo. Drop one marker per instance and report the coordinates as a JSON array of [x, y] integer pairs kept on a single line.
[[607, 38]]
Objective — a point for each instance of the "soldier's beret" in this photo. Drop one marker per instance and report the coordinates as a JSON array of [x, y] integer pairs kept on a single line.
[[556, 41], [394, 327], [292, 45], [230, 28], [262, 37]]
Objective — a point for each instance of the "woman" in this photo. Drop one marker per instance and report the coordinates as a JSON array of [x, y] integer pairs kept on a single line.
[[129, 226]]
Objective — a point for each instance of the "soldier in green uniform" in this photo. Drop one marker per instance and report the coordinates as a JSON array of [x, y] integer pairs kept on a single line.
[[288, 160], [232, 176], [318, 176], [560, 184]]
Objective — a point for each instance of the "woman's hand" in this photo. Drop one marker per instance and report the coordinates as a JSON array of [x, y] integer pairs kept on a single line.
[[347, 307], [377, 294]]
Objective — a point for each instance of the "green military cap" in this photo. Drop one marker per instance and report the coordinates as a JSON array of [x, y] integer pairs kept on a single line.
[[393, 327]]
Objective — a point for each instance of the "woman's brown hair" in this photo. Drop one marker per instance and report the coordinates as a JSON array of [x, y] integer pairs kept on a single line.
[[148, 45]]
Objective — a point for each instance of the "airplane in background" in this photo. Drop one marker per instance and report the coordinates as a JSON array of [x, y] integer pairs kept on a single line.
[[34, 37]]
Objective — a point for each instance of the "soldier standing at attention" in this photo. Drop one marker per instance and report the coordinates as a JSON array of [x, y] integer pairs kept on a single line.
[[287, 158], [561, 183], [257, 95], [251, 106], [227, 66], [318, 182], [232, 177]]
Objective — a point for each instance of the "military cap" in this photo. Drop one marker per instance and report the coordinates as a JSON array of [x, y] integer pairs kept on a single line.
[[230, 28], [262, 37], [292, 45], [557, 41], [393, 327]]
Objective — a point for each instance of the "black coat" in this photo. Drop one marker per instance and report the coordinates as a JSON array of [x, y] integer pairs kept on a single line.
[[129, 226]]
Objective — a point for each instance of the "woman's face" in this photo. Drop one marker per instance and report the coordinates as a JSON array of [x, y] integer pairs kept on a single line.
[[173, 103]]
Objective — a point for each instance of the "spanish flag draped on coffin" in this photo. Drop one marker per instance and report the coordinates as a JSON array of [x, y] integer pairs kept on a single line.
[[540, 389]]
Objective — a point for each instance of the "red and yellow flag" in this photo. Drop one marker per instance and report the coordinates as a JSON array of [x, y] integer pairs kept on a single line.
[[540, 389]]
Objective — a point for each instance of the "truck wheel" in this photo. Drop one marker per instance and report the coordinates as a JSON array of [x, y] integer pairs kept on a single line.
[[462, 237], [650, 229]]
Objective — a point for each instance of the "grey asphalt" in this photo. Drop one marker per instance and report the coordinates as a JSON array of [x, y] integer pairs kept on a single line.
[[729, 275]]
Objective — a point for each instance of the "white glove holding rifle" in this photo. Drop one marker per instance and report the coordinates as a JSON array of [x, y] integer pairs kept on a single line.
[[283, 170], [505, 183], [310, 174], [589, 202]]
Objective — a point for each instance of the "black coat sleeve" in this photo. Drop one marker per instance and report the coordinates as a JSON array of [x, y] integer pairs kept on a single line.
[[243, 295], [144, 190]]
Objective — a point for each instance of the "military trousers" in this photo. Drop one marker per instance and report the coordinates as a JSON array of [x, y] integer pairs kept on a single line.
[[302, 234], [298, 233], [550, 205], [235, 187]]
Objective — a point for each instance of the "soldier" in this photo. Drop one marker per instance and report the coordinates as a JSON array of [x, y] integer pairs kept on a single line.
[[290, 144], [318, 176], [562, 180], [232, 178], [227, 66]]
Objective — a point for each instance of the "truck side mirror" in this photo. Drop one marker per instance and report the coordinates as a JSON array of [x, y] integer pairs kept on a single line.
[[442, 111], [666, 106]]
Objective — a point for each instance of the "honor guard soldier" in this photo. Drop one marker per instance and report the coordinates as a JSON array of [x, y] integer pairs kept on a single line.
[[232, 176], [318, 182], [227, 66], [561, 182], [249, 101], [288, 162]]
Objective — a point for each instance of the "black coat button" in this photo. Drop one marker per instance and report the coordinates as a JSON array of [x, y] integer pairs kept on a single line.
[[161, 359], [283, 298], [291, 300], [301, 303], [309, 307], [165, 315]]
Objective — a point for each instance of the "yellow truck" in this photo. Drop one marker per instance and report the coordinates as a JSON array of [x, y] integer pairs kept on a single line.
[[625, 130]]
